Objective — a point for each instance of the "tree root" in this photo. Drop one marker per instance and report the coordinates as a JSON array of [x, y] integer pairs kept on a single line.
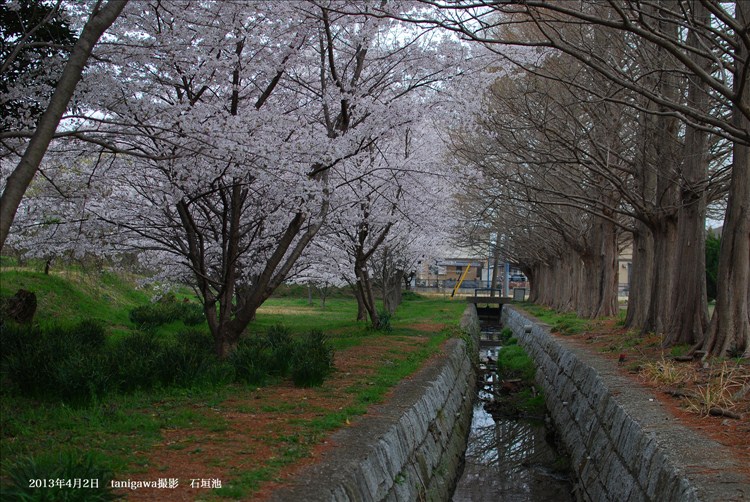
[[723, 412], [681, 393]]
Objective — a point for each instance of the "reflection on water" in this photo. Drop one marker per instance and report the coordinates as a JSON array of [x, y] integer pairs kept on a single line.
[[509, 460]]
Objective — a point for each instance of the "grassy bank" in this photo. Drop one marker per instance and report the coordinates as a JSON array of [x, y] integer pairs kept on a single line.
[[168, 432]]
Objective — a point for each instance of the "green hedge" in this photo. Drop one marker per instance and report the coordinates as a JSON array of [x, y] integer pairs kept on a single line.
[[76, 364]]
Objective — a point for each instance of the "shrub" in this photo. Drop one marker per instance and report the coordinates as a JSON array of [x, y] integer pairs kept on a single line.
[[62, 362], [385, 321], [252, 359], [312, 360], [505, 335], [218, 373], [81, 376], [74, 363], [189, 359], [149, 316], [281, 344], [26, 359], [259, 356], [138, 361], [90, 334], [166, 311], [65, 467], [192, 314]]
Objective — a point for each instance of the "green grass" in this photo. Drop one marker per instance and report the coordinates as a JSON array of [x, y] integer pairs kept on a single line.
[[114, 430], [295, 313], [680, 350], [514, 363], [118, 430], [71, 296], [628, 341], [566, 323]]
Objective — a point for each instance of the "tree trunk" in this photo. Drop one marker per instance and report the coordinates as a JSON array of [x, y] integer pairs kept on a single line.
[[535, 275], [407, 278], [641, 277], [567, 282], [729, 331], [660, 304], [597, 290], [20, 179], [225, 340], [688, 304], [365, 290], [607, 280], [393, 298], [361, 309], [690, 312], [662, 152]]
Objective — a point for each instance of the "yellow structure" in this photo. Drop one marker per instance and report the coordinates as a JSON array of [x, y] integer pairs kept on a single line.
[[463, 276]]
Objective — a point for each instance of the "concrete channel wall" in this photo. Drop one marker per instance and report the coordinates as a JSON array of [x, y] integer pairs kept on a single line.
[[410, 448], [623, 445]]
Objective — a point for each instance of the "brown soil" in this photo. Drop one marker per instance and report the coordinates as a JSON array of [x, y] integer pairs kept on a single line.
[[644, 361], [259, 424]]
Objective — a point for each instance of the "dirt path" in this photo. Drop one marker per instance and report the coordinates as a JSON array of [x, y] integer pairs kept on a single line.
[[263, 440]]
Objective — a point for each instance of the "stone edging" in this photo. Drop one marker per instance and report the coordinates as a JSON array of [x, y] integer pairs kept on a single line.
[[410, 448], [623, 444]]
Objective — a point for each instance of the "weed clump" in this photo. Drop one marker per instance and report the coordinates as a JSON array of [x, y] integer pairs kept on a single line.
[[667, 372], [410, 295], [384, 321], [717, 393], [63, 361], [259, 357], [312, 360], [252, 360], [513, 362], [165, 311], [505, 335]]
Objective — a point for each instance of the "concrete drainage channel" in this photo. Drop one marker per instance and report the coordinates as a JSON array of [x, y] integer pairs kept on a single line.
[[508, 458], [621, 447]]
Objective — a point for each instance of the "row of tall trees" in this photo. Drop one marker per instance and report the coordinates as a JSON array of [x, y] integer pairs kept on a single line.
[[624, 119], [218, 138]]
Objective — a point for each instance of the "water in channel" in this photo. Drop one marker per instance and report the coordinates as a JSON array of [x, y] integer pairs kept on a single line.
[[508, 459]]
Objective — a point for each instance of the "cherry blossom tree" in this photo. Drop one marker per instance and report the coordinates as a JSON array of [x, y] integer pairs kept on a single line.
[[380, 220], [99, 18], [215, 150]]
